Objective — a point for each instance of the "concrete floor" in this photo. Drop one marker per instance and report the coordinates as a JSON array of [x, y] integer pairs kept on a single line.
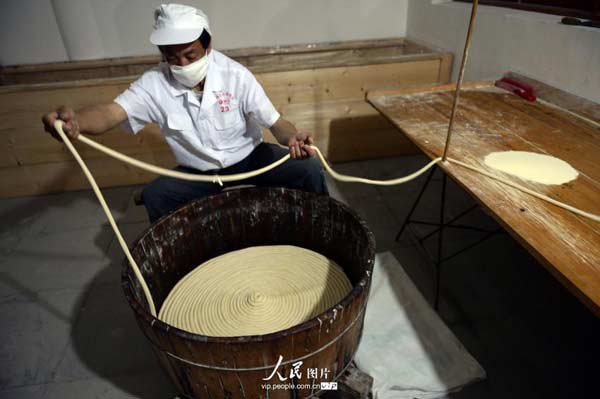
[[67, 331]]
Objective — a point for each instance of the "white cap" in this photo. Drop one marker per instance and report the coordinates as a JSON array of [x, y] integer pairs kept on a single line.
[[177, 24]]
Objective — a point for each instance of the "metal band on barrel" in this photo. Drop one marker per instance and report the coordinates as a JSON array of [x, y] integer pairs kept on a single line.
[[272, 365]]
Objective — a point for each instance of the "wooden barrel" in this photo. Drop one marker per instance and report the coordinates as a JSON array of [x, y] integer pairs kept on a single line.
[[315, 351]]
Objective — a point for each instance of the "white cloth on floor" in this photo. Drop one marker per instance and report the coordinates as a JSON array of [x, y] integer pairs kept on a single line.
[[406, 347]]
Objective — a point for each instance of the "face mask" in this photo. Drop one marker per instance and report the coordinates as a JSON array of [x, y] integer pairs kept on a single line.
[[191, 74]]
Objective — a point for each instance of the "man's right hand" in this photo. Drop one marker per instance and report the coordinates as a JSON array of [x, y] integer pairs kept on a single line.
[[70, 126]]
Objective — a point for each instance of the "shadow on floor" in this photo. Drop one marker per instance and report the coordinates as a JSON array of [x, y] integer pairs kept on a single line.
[[106, 341]]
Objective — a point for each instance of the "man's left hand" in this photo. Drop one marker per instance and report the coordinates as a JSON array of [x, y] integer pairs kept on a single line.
[[299, 146]]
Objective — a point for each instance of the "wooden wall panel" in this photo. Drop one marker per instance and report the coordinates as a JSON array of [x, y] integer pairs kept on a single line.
[[56, 177], [348, 130], [344, 83], [328, 102], [257, 59]]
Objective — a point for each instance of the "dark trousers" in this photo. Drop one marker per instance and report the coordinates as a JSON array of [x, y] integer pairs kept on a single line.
[[166, 194]]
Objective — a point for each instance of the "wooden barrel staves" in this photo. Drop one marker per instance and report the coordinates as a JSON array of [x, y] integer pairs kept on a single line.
[[314, 352]]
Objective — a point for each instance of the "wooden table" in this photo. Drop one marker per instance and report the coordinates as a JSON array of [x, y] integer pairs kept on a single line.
[[490, 119]]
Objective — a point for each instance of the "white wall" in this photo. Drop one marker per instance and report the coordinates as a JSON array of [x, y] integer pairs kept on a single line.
[[29, 33], [533, 44], [63, 30]]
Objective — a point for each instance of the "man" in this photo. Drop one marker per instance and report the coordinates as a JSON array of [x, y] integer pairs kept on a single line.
[[209, 109]]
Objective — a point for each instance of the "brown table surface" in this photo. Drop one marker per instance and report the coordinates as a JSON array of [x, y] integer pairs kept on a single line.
[[490, 119]]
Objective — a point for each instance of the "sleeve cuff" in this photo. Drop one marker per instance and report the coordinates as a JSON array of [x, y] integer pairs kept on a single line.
[[130, 125], [274, 117]]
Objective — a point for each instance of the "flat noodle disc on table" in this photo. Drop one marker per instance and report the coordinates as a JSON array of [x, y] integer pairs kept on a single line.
[[255, 291], [540, 168]]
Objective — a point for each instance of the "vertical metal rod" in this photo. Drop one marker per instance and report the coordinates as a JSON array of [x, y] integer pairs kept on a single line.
[[461, 73], [438, 263]]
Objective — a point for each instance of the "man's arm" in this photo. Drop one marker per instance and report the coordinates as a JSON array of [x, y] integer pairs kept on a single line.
[[93, 119], [287, 135]]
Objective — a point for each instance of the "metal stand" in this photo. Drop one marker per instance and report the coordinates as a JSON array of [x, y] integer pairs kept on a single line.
[[441, 226]]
